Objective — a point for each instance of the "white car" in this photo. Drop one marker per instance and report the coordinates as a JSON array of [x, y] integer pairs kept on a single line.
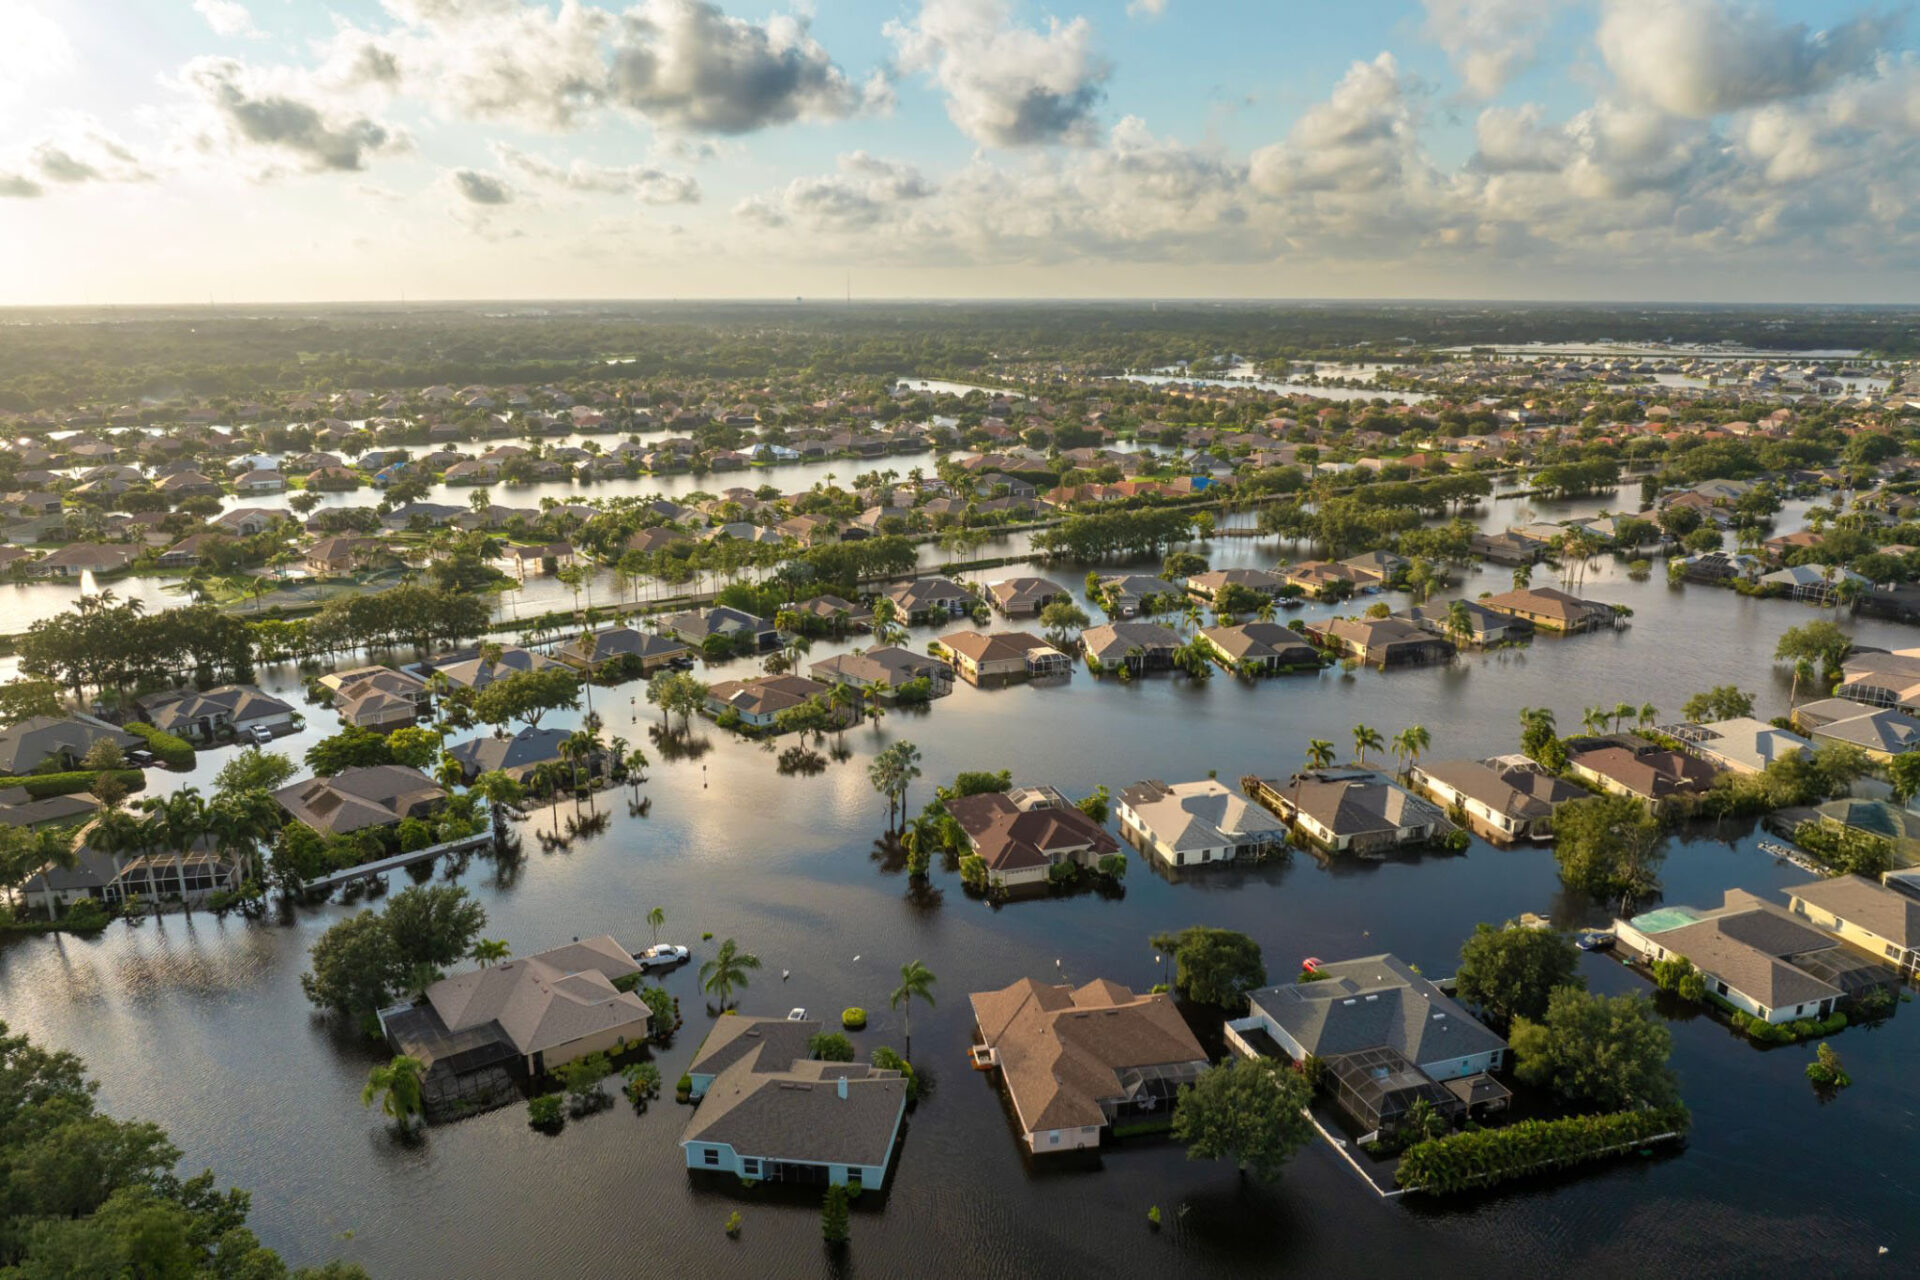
[[796, 1015], [261, 735], [659, 957]]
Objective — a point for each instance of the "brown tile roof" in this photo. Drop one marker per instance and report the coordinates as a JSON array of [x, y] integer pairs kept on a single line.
[[1011, 838]]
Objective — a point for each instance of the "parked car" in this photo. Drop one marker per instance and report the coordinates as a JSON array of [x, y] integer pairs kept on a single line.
[[659, 957], [796, 1015], [140, 758], [260, 734]]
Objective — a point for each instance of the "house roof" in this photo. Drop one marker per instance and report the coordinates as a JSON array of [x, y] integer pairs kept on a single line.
[[1885, 912], [1062, 1050], [1747, 944], [885, 664], [477, 672], [1876, 729], [373, 796], [1747, 743], [546, 1000], [1548, 602], [236, 702], [1023, 829], [1111, 642], [996, 646], [922, 592], [1023, 591], [763, 695], [1198, 815], [25, 745], [1525, 794], [523, 751], [1652, 775], [771, 1101], [1353, 802], [616, 642], [1375, 1002], [1260, 640]]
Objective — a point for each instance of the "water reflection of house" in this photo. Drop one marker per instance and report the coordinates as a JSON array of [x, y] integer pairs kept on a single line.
[[1389, 1037]]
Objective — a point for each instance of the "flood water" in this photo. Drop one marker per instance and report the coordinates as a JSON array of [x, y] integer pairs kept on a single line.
[[200, 1025]]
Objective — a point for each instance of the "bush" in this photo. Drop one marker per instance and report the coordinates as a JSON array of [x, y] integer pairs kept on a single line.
[[684, 1085], [835, 1216], [171, 751], [886, 1059], [660, 1004], [830, 1046], [41, 785], [1113, 866], [1480, 1158], [853, 1018], [734, 1222], [643, 1083], [1825, 1070], [548, 1111], [85, 916]]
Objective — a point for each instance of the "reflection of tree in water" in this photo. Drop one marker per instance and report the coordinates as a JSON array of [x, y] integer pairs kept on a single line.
[[678, 745], [889, 854], [577, 828], [509, 859], [802, 760], [923, 895]]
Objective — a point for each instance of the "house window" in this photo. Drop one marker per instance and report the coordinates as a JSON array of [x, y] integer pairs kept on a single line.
[[853, 1175], [750, 1166], [711, 1156], [1053, 1137]]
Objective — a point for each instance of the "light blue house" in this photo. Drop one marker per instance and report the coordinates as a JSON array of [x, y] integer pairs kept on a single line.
[[769, 1112]]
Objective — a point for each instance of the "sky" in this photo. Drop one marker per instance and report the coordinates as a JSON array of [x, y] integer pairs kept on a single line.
[[165, 151]]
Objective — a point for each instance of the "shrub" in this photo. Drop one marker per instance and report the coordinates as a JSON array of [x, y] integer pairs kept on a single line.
[[683, 1087], [41, 785], [86, 916], [660, 1004], [887, 1060], [643, 1082], [1064, 872], [973, 871], [1825, 1070], [835, 1217], [853, 1018], [1113, 866], [1480, 1158], [733, 1224], [548, 1111], [171, 751], [830, 1046]]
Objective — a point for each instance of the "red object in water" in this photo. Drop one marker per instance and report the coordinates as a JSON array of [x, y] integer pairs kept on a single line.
[[1311, 964]]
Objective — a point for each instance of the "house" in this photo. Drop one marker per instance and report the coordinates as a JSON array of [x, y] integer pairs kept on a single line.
[[1260, 648], [1375, 567], [1137, 646], [64, 740], [477, 670], [839, 614], [1758, 957], [1127, 594], [517, 556], [1315, 576], [154, 875], [1507, 547], [1483, 625], [758, 701], [1740, 745], [378, 698], [1651, 775], [1882, 922], [884, 667], [245, 522], [517, 756], [77, 558], [1813, 583], [1024, 597], [1022, 834], [340, 554], [18, 808], [1549, 609], [1386, 642], [360, 799], [230, 708], [1504, 798], [1190, 823], [1882, 679], [1388, 1036], [929, 599], [1349, 810], [1076, 1060], [734, 626], [1882, 733], [332, 480], [642, 651], [260, 480], [1003, 655], [182, 485], [530, 1015], [1209, 585], [769, 1112]]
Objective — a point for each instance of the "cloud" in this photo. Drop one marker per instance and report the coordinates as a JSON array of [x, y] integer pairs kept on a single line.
[[477, 187], [1006, 85], [646, 183], [1704, 58], [247, 109], [535, 67], [36, 51], [227, 18], [15, 186], [865, 191], [1489, 41], [1512, 140], [1146, 8], [78, 151], [1362, 138], [686, 65]]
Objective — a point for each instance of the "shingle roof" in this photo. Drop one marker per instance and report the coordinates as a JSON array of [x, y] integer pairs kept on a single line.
[[549, 999], [1009, 837], [375, 796], [1886, 912], [1198, 815], [1372, 1002], [769, 1101]]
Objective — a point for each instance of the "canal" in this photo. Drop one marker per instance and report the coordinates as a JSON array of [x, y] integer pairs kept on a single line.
[[200, 1025]]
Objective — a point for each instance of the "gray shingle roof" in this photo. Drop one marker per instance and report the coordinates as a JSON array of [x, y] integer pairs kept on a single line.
[[1373, 1002]]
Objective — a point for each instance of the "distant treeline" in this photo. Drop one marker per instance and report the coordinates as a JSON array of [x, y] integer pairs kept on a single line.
[[54, 358]]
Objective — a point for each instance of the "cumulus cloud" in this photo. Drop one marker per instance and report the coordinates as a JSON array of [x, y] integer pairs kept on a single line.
[[1704, 58], [644, 182], [79, 150], [227, 18], [1489, 41], [1513, 140], [865, 191], [1006, 85], [688, 66], [536, 67], [246, 109], [478, 187], [16, 186], [1362, 138], [1146, 8]]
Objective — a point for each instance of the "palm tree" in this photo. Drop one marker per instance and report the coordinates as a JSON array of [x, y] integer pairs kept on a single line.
[[1622, 712], [489, 951], [1647, 714], [1265, 612], [1365, 739], [399, 1080], [1460, 621], [1410, 742], [656, 918], [450, 773], [1319, 753], [727, 970], [906, 768], [916, 982]]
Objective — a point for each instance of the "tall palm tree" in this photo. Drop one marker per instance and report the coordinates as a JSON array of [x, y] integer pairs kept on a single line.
[[883, 774], [1459, 622], [1648, 713], [727, 970], [1365, 739], [489, 951], [1594, 720], [655, 918], [399, 1082], [1319, 753], [1622, 712], [450, 772], [916, 983], [906, 769], [1410, 742]]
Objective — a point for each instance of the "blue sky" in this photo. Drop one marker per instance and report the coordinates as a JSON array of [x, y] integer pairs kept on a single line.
[[166, 150]]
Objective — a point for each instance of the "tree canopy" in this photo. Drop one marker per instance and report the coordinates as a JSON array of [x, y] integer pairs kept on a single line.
[[1607, 1053], [1247, 1110], [1214, 966], [1511, 972], [1607, 846]]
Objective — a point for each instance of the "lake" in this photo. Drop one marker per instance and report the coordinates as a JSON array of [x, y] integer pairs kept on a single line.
[[199, 1024]]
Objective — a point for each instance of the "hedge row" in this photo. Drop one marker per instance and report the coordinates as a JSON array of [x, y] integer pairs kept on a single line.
[[1482, 1157], [171, 751], [41, 785]]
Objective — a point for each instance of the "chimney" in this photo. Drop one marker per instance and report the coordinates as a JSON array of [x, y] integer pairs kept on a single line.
[[840, 1087]]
